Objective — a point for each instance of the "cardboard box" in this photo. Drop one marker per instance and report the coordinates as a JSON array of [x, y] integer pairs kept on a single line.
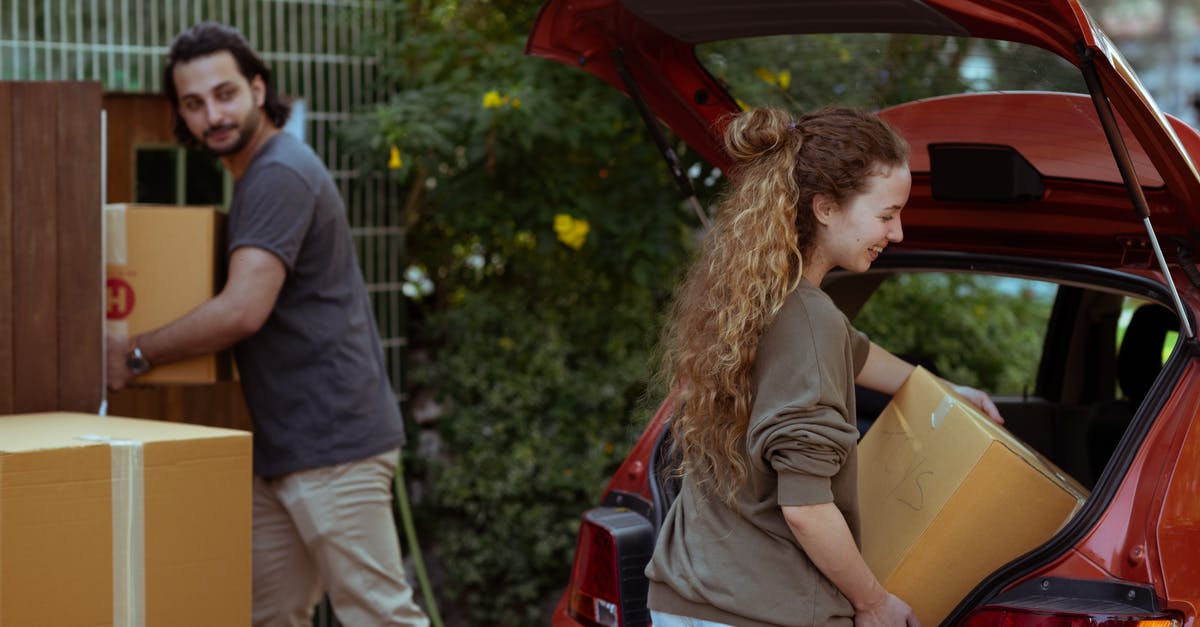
[[161, 262], [117, 521], [947, 497]]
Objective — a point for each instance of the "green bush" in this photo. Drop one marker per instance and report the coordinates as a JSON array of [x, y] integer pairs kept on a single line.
[[975, 330], [539, 379], [544, 236]]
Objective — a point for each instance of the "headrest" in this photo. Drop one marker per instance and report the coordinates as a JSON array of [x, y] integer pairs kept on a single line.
[[1141, 354]]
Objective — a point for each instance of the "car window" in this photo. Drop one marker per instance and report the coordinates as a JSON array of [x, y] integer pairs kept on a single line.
[[979, 330], [876, 70]]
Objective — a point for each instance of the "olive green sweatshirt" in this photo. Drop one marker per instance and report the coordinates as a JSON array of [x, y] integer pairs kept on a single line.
[[743, 566]]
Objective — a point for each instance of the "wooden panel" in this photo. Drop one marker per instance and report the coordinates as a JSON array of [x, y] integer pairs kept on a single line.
[[6, 252], [35, 246], [119, 180], [133, 120], [80, 262], [215, 405]]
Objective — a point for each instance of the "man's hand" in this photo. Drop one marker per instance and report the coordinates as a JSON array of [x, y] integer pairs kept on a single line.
[[980, 399], [889, 612], [117, 346]]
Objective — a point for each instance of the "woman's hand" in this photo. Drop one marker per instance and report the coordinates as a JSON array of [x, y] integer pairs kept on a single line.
[[890, 612], [980, 399]]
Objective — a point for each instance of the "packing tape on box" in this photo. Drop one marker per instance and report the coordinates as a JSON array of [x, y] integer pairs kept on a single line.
[[129, 531], [939, 412], [114, 236]]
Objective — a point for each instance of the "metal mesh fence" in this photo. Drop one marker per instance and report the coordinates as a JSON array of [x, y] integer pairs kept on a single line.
[[314, 50]]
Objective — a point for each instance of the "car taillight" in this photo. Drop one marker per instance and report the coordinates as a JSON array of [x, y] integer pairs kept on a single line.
[[1029, 617], [608, 587]]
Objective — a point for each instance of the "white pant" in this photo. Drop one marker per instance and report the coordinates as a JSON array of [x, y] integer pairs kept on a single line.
[[330, 529], [663, 619]]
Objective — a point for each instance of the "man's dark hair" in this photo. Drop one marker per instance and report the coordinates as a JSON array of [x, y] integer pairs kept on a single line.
[[206, 38]]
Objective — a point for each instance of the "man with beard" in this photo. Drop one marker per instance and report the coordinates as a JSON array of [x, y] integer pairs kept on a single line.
[[297, 314]]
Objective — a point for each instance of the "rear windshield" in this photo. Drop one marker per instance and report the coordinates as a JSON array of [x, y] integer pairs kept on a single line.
[[874, 71]]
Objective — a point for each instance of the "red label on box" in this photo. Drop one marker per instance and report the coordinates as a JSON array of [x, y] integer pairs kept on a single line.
[[120, 299]]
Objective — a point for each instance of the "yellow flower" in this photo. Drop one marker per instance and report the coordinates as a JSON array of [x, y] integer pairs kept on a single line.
[[506, 343], [785, 79], [492, 100], [570, 231], [394, 162], [766, 75]]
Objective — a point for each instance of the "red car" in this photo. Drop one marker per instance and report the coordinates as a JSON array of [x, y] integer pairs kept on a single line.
[[1082, 203]]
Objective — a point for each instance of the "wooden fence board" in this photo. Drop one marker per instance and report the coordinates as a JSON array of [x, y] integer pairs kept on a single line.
[[80, 264], [6, 253], [218, 404], [35, 246]]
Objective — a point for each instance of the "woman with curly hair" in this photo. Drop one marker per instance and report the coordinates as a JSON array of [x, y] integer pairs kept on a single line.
[[765, 528]]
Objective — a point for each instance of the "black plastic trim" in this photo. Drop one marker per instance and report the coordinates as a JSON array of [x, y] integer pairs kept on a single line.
[[630, 501], [1057, 271], [1061, 594], [662, 502]]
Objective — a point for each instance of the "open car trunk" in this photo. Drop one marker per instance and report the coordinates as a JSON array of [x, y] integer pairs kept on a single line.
[[1084, 404], [1061, 219]]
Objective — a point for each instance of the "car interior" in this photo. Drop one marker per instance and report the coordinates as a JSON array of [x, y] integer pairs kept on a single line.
[[1103, 346]]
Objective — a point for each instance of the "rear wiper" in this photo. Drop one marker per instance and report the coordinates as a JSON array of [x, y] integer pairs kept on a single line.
[[681, 178], [1125, 164]]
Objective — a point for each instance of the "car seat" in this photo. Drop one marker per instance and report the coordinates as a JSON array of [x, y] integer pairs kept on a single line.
[[1139, 362]]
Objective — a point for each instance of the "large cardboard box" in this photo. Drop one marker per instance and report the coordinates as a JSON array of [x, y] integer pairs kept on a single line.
[[117, 521], [947, 496], [161, 262]]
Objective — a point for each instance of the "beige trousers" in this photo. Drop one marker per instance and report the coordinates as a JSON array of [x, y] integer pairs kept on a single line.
[[330, 529]]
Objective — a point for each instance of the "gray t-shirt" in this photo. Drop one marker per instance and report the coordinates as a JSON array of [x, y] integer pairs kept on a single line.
[[313, 376]]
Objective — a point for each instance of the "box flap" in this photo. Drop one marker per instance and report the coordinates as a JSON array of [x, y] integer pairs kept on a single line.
[[922, 378], [50, 430]]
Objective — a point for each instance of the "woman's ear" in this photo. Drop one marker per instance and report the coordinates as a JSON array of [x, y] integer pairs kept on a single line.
[[823, 208]]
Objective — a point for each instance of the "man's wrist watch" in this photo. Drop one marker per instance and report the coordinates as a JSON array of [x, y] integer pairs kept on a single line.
[[136, 362]]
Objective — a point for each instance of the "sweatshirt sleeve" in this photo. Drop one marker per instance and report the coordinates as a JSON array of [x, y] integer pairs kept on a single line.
[[800, 428], [805, 446]]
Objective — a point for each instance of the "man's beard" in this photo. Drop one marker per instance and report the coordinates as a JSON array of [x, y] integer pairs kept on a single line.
[[244, 133]]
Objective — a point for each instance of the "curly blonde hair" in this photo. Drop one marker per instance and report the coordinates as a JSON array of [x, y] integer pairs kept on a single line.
[[748, 265]]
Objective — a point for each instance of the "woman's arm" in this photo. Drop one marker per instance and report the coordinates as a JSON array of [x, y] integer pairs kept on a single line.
[[885, 372], [822, 532]]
